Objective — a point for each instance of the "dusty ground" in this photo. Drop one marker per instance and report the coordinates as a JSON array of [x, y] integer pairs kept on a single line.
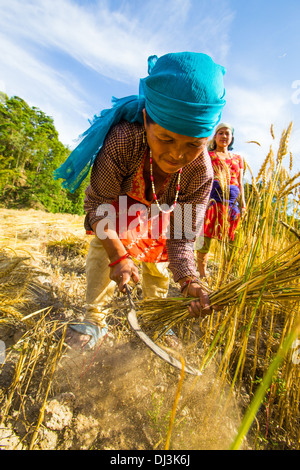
[[119, 396]]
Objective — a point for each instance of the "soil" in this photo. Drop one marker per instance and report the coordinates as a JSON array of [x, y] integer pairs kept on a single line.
[[119, 396]]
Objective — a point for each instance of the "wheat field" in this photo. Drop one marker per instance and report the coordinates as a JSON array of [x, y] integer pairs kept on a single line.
[[122, 396]]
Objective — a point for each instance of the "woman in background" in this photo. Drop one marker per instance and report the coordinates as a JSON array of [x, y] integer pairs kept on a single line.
[[223, 213]]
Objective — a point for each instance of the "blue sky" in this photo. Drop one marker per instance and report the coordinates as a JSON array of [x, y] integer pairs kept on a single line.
[[69, 57]]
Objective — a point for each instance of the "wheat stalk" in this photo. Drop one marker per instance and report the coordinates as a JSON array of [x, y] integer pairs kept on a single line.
[[288, 185], [278, 279], [288, 190], [265, 163], [291, 162], [272, 131], [283, 146]]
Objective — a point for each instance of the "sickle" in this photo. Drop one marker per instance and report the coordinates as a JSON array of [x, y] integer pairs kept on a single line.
[[133, 322]]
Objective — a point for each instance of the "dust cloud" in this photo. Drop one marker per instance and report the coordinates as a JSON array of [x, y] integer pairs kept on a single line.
[[123, 396]]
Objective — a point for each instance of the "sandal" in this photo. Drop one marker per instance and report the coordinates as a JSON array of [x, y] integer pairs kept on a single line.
[[172, 340], [94, 331]]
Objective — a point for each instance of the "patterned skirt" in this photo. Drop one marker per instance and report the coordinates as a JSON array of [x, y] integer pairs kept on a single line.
[[219, 221]]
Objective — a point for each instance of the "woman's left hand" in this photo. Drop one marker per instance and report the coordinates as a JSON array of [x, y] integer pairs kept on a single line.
[[201, 306]]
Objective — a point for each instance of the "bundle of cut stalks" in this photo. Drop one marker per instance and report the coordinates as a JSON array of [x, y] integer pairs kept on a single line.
[[275, 281]]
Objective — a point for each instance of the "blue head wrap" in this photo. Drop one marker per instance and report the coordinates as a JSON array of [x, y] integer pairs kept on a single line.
[[183, 93]]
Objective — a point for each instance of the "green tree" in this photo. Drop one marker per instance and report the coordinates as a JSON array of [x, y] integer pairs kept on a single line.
[[30, 151]]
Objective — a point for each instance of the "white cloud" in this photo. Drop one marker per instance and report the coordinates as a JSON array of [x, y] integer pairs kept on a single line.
[[2, 86], [41, 41], [103, 40], [43, 87], [21, 64], [115, 43], [252, 112]]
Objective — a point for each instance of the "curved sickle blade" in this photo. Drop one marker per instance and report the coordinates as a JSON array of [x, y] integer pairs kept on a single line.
[[133, 322]]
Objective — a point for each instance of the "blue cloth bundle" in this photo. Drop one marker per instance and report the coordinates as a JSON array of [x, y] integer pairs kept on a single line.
[[217, 195]]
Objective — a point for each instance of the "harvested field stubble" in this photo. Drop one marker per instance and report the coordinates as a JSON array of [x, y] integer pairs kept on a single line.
[[121, 396]]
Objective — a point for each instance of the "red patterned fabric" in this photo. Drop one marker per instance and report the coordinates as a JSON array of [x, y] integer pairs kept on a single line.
[[138, 241], [117, 171], [218, 220]]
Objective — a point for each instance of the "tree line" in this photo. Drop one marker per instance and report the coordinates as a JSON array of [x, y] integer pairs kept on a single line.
[[30, 151]]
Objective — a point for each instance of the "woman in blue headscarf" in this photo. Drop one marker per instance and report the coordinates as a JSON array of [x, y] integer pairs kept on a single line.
[[150, 183]]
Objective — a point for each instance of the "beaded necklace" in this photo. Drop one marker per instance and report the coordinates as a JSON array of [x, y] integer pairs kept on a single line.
[[154, 193]]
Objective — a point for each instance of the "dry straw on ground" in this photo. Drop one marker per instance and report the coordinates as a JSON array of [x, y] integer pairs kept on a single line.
[[125, 398]]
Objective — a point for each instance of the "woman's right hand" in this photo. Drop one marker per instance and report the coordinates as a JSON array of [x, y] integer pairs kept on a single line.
[[123, 272]]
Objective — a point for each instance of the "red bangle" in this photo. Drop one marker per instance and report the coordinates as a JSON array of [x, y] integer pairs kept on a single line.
[[127, 255]]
